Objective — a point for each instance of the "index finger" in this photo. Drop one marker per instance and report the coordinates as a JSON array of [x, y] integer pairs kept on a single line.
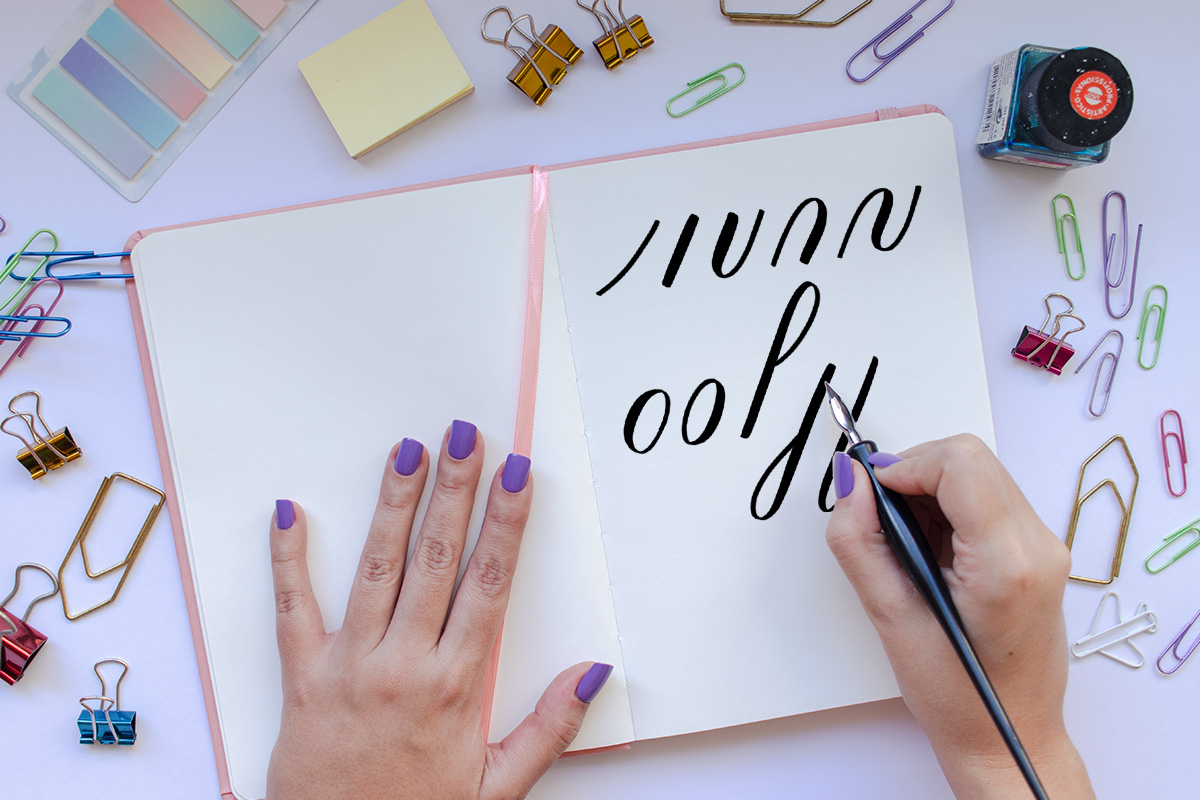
[[970, 484]]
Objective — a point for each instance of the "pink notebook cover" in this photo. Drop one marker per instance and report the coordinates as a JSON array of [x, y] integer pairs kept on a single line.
[[523, 432]]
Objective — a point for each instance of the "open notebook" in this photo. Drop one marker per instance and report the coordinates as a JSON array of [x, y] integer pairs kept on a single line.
[[693, 300]]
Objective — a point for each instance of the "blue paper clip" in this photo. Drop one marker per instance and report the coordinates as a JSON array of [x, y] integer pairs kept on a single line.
[[107, 724], [9, 333], [65, 257], [699, 83], [886, 58]]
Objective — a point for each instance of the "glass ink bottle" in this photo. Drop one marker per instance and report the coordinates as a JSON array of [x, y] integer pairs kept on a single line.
[[1054, 108]]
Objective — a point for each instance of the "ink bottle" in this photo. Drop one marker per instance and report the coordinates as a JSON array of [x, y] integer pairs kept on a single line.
[[1054, 108]]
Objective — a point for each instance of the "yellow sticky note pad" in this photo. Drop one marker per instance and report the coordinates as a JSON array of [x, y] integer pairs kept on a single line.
[[386, 76]]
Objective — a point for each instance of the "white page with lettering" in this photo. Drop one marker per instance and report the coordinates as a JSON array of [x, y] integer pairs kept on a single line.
[[725, 618]]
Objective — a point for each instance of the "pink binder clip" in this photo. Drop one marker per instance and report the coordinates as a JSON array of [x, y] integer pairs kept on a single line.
[[1049, 350], [20, 642], [1178, 437]]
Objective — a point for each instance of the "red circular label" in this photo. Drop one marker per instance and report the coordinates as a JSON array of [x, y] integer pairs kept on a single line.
[[1094, 95]]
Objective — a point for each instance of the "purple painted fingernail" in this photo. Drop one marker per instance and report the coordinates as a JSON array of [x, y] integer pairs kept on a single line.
[[883, 459], [843, 475], [593, 681], [285, 514], [409, 456], [516, 473], [462, 440]]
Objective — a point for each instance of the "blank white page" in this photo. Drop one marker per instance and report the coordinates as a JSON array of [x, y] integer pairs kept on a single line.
[[291, 351], [725, 618]]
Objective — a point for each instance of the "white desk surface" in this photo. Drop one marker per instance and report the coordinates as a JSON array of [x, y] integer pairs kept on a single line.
[[271, 145]]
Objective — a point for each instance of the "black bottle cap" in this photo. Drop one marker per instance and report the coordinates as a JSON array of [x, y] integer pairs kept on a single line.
[[1083, 96]]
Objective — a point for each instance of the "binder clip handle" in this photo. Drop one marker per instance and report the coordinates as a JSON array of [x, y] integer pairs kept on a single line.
[[17, 585]]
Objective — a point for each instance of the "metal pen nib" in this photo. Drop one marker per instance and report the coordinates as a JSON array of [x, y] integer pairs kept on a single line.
[[841, 415]]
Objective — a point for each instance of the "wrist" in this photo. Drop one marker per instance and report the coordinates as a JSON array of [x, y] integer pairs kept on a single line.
[[995, 775]]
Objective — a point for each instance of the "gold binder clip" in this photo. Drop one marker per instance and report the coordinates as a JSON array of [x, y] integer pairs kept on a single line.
[[1126, 509], [80, 542], [543, 64], [45, 450], [623, 36]]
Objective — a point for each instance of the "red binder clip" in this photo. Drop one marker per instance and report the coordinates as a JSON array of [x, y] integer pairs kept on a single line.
[[1049, 350], [19, 642]]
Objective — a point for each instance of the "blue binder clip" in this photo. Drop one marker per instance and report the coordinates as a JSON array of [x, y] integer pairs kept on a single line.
[[107, 724]]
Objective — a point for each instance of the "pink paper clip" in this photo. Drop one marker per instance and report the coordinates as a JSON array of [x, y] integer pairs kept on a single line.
[[29, 308], [1178, 437], [19, 641], [1034, 346]]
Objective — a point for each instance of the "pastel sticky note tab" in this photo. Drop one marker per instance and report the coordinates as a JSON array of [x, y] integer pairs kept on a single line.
[[84, 115], [164, 25], [386, 76], [222, 23], [132, 50], [119, 93], [263, 12]]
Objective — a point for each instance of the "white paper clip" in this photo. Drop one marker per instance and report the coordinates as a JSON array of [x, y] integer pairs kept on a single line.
[[1105, 641]]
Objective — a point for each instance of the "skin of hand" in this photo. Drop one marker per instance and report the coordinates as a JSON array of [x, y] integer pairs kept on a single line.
[[1006, 572], [389, 706]]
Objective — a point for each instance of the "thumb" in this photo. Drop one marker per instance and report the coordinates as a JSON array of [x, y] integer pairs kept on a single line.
[[861, 549], [516, 763]]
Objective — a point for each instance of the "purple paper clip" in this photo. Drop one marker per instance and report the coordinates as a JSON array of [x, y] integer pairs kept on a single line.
[[1173, 649], [1034, 345], [886, 58], [1111, 357], [1178, 437], [1109, 250]]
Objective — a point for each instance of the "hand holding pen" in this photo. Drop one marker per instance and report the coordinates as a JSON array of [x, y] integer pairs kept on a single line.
[[1006, 578]]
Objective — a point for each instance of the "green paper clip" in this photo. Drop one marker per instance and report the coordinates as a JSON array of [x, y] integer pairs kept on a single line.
[[1059, 229], [1158, 328], [715, 75], [1193, 528]]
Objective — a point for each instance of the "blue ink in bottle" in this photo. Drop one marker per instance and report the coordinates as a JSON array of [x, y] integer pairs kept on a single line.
[[1054, 108]]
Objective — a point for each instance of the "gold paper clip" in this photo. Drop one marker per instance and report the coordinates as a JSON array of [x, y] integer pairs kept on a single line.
[[544, 63], [797, 18], [1126, 509], [1192, 528], [80, 541], [46, 450], [1182, 445], [1173, 648], [624, 37], [1158, 329], [1105, 641], [699, 84], [1060, 222]]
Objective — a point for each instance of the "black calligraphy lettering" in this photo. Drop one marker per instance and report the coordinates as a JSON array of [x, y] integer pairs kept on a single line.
[[714, 416], [721, 250], [792, 452], [635, 412], [632, 261], [881, 219], [777, 355], [859, 403], [814, 235], [681, 248]]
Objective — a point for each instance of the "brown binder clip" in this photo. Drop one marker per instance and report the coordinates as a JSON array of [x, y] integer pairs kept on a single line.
[[623, 36], [20, 642], [1048, 350], [544, 63], [44, 450]]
